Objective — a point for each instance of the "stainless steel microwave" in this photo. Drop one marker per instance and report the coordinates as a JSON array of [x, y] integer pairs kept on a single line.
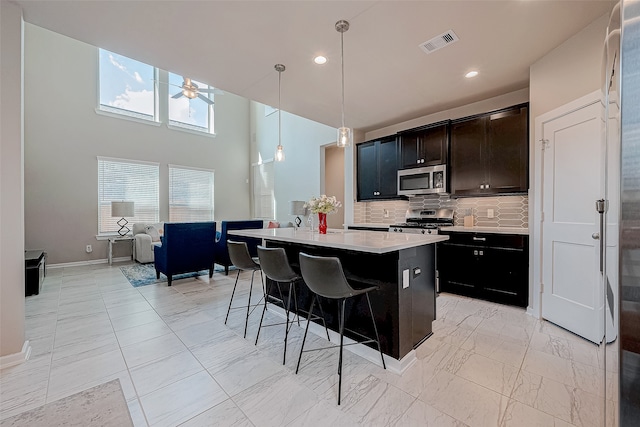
[[427, 180]]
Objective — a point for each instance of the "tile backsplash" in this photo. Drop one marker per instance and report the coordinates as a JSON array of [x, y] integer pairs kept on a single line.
[[508, 211]]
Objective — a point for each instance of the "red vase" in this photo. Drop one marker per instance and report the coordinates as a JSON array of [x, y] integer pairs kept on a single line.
[[322, 223]]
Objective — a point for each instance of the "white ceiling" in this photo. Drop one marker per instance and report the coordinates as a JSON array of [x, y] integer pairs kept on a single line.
[[234, 45]]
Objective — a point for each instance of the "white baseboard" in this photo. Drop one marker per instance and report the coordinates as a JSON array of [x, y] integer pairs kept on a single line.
[[90, 262], [372, 355], [16, 358]]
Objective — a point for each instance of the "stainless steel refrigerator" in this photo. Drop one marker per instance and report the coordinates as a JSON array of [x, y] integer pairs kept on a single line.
[[622, 355]]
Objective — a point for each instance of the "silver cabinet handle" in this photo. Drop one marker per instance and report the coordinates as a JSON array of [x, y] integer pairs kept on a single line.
[[481, 253], [481, 239], [486, 186], [595, 236], [482, 186], [475, 252]]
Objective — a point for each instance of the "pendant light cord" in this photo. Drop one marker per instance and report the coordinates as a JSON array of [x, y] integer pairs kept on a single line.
[[342, 63], [279, 111]]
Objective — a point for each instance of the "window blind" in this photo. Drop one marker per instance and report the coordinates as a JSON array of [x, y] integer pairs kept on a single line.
[[128, 180], [190, 194], [263, 195]]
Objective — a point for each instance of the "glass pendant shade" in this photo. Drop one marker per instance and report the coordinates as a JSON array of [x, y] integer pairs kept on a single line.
[[344, 137], [279, 153]]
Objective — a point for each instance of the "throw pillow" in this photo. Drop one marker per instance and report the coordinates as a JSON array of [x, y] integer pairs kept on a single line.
[[273, 224], [153, 232]]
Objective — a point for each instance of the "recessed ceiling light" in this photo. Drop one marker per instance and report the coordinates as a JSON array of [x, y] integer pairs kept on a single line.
[[320, 60], [471, 74]]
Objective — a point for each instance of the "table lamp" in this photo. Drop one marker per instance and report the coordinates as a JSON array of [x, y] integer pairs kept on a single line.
[[122, 209], [296, 207]]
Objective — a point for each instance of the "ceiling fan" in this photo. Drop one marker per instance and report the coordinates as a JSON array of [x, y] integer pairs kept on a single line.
[[191, 90]]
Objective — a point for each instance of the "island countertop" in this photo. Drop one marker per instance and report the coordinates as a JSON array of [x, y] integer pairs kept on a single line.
[[355, 240]]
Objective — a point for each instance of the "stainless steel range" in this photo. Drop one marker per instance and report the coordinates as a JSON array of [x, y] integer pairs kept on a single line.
[[424, 221]]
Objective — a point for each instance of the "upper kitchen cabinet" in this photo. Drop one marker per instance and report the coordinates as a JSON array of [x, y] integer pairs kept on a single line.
[[377, 169], [424, 146], [490, 153]]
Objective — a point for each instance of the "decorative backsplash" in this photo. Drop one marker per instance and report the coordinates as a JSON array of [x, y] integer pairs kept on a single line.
[[508, 211]]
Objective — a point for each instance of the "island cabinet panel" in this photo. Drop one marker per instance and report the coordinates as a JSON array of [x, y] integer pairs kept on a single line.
[[494, 267], [490, 153], [377, 169], [403, 313], [424, 146]]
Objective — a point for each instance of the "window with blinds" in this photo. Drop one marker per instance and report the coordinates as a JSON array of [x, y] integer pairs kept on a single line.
[[264, 201], [129, 180], [190, 194]]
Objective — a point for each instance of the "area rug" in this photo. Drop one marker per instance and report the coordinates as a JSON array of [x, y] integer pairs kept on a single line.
[[103, 406], [145, 274]]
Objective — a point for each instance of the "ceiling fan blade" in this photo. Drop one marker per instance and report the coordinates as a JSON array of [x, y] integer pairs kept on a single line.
[[177, 95], [211, 90], [205, 99]]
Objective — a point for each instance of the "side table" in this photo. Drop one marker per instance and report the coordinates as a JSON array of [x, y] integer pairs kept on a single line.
[[116, 239]]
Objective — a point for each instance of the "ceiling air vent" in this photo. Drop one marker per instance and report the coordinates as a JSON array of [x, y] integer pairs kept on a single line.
[[439, 42]]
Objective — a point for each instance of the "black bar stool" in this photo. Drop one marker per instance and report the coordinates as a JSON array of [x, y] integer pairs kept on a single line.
[[325, 277], [275, 265], [241, 259]]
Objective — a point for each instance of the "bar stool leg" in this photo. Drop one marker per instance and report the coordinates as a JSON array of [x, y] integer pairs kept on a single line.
[[267, 292], [286, 331], [232, 294], [295, 301], [375, 328], [323, 321], [341, 321], [313, 301], [246, 320]]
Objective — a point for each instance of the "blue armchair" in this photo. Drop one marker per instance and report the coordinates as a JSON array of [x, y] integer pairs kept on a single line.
[[186, 248], [222, 253]]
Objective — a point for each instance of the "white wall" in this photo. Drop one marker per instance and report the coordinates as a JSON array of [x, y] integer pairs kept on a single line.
[[11, 182], [64, 135], [298, 177]]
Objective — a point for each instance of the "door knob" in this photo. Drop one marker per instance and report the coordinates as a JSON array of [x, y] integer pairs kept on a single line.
[[595, 236]]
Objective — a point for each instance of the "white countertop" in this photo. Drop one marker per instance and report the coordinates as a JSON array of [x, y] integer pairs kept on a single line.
[[494, 230], [356, 240]]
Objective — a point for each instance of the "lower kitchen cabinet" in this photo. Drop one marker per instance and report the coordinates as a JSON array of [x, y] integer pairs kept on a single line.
[[494, 267]]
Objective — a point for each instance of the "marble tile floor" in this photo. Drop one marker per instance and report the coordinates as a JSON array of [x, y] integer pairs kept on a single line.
[[485, 365]]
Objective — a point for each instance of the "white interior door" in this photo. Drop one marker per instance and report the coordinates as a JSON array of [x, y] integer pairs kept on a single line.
[[571, 183]]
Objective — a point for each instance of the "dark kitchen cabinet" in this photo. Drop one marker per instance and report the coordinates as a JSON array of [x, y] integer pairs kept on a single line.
[[377, 169], [494, 267], [490, 153], [424, 146]]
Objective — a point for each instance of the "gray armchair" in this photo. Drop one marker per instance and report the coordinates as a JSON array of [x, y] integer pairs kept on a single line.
[[146, 235]]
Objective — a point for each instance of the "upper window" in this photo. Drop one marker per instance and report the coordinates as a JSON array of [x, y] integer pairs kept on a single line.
[[127, 86], [128, 180], [190, 194], [190, 104]]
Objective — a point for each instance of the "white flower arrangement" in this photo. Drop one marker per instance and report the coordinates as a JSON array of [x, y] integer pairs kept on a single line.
[[323, 204]]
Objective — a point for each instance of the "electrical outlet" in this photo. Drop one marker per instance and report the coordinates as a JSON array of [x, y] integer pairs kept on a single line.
[[89, 249], [489, 213]]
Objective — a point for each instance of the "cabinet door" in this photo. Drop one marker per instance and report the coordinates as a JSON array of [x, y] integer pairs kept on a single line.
[[410, 150], [467, 163], [459, 269], [434, 145], [367, 172], [508, 151], [388, 167], [506, 275]]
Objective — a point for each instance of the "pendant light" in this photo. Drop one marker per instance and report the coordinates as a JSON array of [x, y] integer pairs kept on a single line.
[[344, 133], [279, 150]]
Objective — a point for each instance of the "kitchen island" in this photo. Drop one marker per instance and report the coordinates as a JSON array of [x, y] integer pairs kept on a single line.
[[402, 266]]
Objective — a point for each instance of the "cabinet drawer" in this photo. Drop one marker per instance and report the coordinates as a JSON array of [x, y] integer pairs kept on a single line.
[[507, 241]]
